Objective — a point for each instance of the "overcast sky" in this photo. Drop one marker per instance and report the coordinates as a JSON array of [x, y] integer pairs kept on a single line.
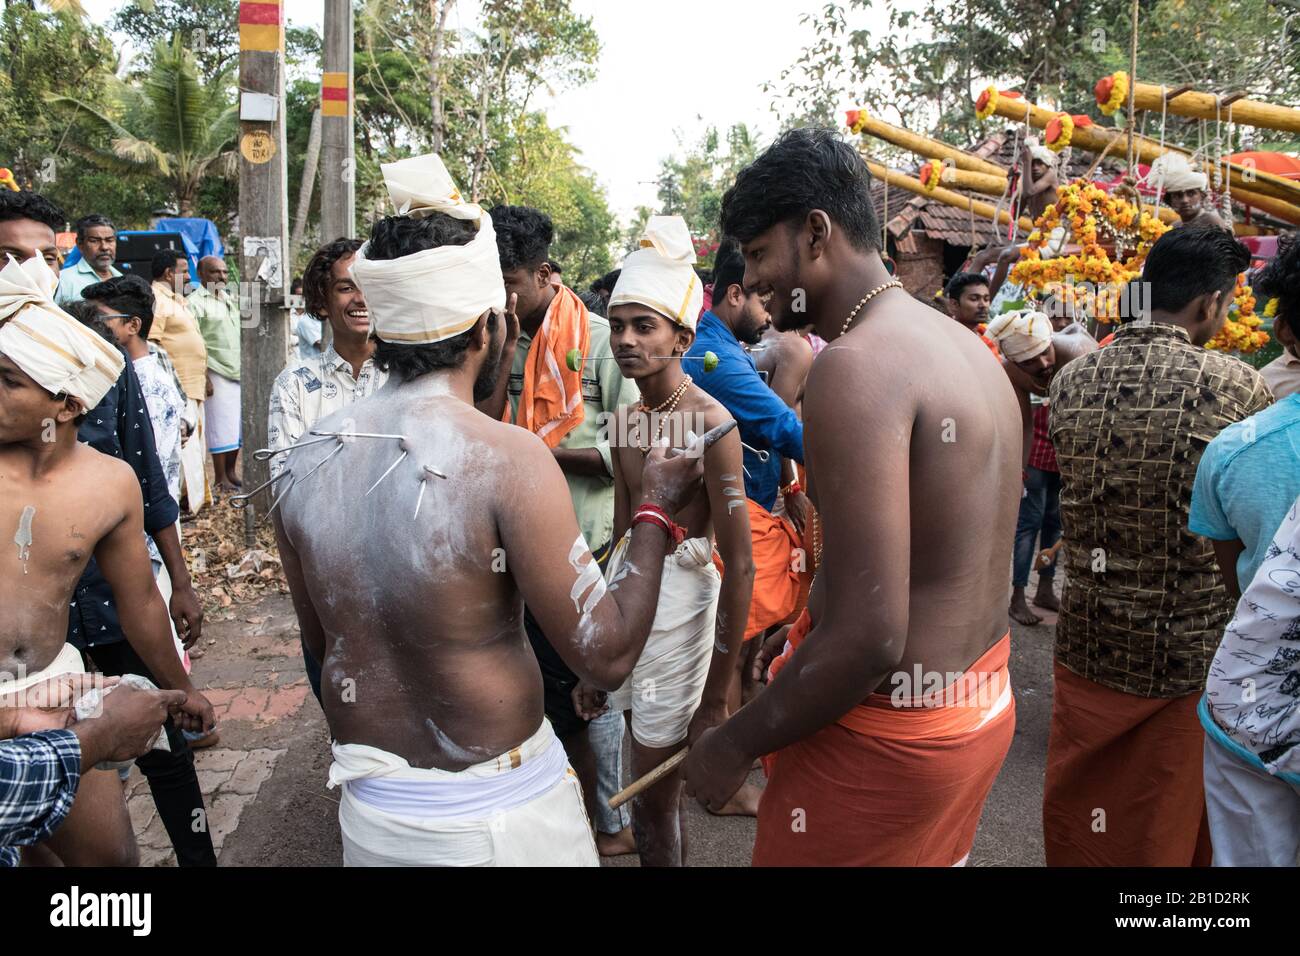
[[667, 67]]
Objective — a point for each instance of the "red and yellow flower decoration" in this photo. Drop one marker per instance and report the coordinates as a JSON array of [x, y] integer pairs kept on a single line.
[[1241, 332], [987, 103], [1088, 210], [1060, 130], [855, 119], [930, 174], [1111, 92]]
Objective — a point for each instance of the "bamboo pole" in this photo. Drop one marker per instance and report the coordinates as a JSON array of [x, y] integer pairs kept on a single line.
[[945, 196], [1094, 139], [925, 146], [966, 179], [1149, 96]]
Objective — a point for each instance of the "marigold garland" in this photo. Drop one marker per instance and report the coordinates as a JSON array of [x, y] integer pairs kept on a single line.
[[987, 103], [1089, 210], [930, 174], [1111, 92], [1060, 130], [1241, 332]]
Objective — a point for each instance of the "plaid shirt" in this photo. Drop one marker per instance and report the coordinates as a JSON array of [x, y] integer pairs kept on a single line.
[[1144, 606], [1041, 453], [39, 775]]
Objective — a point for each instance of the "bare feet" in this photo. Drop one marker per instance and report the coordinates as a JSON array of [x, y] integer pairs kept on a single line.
[[1045, 597], [1019, 610], [226, 488], [743, 804], [616, 844]]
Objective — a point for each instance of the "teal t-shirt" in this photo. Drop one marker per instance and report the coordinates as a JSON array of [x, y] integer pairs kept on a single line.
[[1247, 481]]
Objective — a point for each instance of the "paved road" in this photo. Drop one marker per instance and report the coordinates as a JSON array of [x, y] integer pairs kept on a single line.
[[265, 781]]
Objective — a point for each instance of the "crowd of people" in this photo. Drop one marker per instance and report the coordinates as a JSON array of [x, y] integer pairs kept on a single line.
[[777, 518]]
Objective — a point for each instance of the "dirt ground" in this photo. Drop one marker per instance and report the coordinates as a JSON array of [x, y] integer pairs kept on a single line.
[[264, 782]]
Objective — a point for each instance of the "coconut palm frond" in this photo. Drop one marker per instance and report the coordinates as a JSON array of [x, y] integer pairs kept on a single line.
[[93, 119], [145, 155], [177, 109]]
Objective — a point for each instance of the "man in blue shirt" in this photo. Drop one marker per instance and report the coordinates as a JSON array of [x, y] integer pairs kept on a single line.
[[765, 421], [782, 565], [97, 243]]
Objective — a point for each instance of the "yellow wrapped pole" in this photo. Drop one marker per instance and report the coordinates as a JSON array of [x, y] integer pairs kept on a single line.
[[947, 196], [1181, 101], [955, 178], [922, 146], [1095, 139]]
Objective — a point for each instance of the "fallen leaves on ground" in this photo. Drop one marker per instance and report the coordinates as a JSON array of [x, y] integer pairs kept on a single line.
[[227, 574]]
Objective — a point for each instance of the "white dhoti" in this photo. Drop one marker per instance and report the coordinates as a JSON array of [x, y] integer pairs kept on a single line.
[[665, 687], [68, 661], [223, 414], [194, 479], [521, 808]]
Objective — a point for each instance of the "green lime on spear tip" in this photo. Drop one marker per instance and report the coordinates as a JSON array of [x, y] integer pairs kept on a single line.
[[573, 359]]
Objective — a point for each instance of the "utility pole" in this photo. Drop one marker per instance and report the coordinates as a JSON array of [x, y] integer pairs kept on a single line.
[[264, 231], [338, 159]]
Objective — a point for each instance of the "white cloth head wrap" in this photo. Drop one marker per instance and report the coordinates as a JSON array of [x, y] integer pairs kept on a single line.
[[1022, 334], [1171, 173], [661, 274], [1043, 154], [58, 352], [437, 293]]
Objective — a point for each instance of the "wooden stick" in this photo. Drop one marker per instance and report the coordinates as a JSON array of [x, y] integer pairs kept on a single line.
[[640, 785]]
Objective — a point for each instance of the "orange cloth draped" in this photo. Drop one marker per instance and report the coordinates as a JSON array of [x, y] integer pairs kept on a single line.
[[890, 785], [550, 405], [780, 590], [1135, 759]]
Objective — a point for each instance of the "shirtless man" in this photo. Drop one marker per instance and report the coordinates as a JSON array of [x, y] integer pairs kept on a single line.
[[432, 694], [914, 478], [52, 369], [680, 685], [1038, 190], [1032, 353], [1184, 191]]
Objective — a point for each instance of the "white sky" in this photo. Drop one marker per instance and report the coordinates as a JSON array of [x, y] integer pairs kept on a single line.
[[667, 67]]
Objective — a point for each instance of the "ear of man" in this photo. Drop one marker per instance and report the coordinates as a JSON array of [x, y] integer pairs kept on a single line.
[[819, 230]]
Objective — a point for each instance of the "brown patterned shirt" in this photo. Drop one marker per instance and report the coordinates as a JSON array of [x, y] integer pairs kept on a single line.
[[1143, 607]]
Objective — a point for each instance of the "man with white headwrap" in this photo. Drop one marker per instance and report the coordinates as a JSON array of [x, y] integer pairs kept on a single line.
[[1039, 179], [1183, 189], [1032, 353], [53, 370], [430, 688], [679, 687]]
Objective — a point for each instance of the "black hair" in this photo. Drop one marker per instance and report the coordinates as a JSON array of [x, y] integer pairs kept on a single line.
[[524, 236], [1189, 262], [607, 282], [555, 267], [295, 287], [163, 260], [316, 279], [594, 303], [958, 284], [728, 270], [29, 205], [89, 315], [94, 219], [1280, 280], [398, 236], [805, 169], [128, 294]]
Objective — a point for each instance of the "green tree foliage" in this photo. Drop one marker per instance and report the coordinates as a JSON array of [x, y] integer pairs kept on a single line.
[[922, 68], [170, 127], [692, 181]]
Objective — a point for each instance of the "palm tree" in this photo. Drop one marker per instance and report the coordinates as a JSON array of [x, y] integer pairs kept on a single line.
[[172, 126]]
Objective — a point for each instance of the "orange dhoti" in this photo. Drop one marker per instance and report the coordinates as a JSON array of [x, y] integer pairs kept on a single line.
[[783, 570], [1124, 780], [891, 783]]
